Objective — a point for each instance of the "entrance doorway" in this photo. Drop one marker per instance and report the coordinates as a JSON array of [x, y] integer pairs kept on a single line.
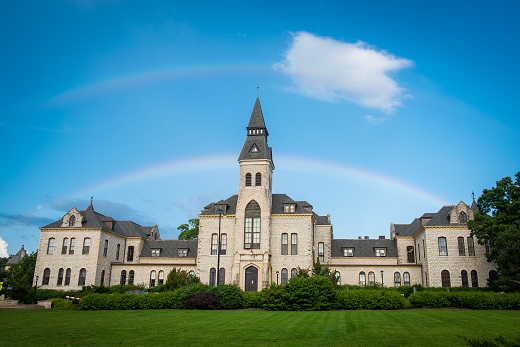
[[251, 279]]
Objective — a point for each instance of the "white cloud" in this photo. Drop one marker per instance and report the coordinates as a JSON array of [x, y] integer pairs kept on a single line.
[[330, 70], [375, 120], [3, 248]]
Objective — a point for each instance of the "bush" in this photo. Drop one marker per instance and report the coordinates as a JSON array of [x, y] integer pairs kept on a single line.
[[64, 304], [203, 301], [388, 299], [182, 295], [430, 299], [477, 300], [180, 278], [229, 296], [253, 299]]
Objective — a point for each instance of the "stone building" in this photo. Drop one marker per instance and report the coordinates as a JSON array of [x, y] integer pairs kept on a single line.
[[255, 238]]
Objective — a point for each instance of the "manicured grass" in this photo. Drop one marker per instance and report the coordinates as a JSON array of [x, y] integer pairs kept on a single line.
[[253, 327]]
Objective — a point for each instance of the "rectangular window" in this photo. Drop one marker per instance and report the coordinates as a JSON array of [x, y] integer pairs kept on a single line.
[[72, 245], [248, 235], [423, 249], [380, 252], [289, 208], [223, 244], [50, 245], [156, 252], [118, 248], [130, 255], [488, 246], [105, 248], [86, 245], [294, 244], [419, 251], [348, 252], [67, 277], [60, 277], [214, 244], [321, 252], [471, 247], [443, 246], [285, 242], [462, 249], [65, 246], [256, 233], [182, 252], [410, 252]]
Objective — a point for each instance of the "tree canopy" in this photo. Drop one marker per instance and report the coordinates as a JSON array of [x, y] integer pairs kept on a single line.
[[189, 231], [20, 277], [498, 222]]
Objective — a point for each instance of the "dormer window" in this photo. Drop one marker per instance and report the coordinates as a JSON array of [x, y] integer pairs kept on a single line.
[[289, 208], [72, 221], [156, 252], [220, 209], [182, 252], [380, 252], [463, 218], [348, 252]]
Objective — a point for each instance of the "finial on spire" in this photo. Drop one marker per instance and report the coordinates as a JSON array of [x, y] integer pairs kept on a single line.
[[473, 195], [91, 198], [257, 90]]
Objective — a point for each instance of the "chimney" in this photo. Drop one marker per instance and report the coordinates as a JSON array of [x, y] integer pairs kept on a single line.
[[359, 238], [366, 237], [382, 237]]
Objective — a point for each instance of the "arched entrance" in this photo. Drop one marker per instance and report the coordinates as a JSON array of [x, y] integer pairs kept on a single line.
[[251, 279]]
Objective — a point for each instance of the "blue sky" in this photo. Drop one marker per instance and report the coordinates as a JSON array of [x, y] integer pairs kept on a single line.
[[377, 111]]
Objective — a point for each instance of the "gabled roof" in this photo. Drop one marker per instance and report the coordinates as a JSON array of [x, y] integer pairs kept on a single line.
[[440, 218], [170, 248], [363, 248], [15, 259]]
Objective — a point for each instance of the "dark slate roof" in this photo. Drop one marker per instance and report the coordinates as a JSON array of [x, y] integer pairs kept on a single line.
[[257, 117], [439, 218], [363, 248], [408, 229], [442, 217], [321, 220], [259, 140], [169, 248], [95, 220], [15, 259]]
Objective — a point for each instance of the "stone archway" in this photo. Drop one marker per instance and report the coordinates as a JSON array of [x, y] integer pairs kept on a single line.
[[251, 280]]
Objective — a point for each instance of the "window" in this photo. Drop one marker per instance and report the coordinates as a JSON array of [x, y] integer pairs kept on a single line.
[[348, 252], [118, 249], [258, 179], [252, 226], [46, 276], [419, 251], [488, 246], [50, 245], [443, 247], [248, 180], [72, 245], [131, 276], [105, 248], [65, 246], [130, 255], [410, 254], [60, 277], [123, 278], [471, 247], [72, 221], [285, 241], [445, 278], [321, 252], [156, 252], [214, 244], [289, 208], [153, 274], [102, 277], [397, 279], [82, 277], [371, 278], [285, 276], [161, 277], [474, 278], [464, 278], [380, 252], [462, 249], [223, 244], [424, 249], [362, 279], [182, 252], [212, 276], [463, 218], [406, 279], [294, 272], [294, 244], [86, 245], [67, 277], [222, 276]]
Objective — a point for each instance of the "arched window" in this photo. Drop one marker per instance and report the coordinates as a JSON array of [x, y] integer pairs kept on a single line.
[[123, 278], [443, 246], [406, 279], [252, 226], [294, 272], [464, 278], [50, 245], [72, 245], [60, 277], [161, 277], [410, 254], [46, 276], [463, 218], [371, 278], [471, 246], [248, 179], [223, 244], [102, 277], [214, 243], [67, 277], [82, 277], [445, 278], [362, 279], [65, 246], [294, 244], [222, 276], [258, 179], [474, 278], [131, 275], [285, 276], [153, 274], [86, 245], [397, 279], [462, 248], [72, 221], [285, 242], [212, 276], [321, 252]]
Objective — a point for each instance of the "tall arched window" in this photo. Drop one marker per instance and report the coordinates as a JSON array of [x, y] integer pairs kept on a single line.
[[222, 276], [223, 244], [82, 277], [252, 226], [50, 245], [131, 275], [464, 278], [105, 248], [130, 254], [72, 245], [443, 246], [72, 221], [248, 179], [118, 249], [445, 278], [161, 277], [406, 279], [397, 279], [371, 278], [212, 276], [46, 276], [65, 245], [86, 245], [463, 218], [102, 277], [362, 279], [285, 276], [60, 277], [474, 278], [258, 179], [294, 272], [67, 276], [153, 274], [123, 278]]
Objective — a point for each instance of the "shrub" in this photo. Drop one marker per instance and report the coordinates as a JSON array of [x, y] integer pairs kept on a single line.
[[370, 299], [203, 301], [430, 299], [229, 296], [253, 299], [64, 304], [181, 295], [180, 278]]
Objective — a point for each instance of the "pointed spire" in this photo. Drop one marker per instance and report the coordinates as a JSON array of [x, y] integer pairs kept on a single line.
[[91, 206], [257, 118], [255, 146], [474, 205]]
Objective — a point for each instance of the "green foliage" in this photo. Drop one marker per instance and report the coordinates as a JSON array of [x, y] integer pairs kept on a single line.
[[386, 299], [180, 278], [203, 301], [182, 294], [498, 221], [3, 273], [324, 270], [63, 304], [476, 300], [253, 299], [499, 341], [158, 289], [229, 296], [429, 299], [20, 276], [189, 231], [119, 289], [301, 294]]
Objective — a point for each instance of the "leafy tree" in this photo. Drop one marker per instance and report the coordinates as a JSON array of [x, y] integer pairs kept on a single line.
[[498, 222], [20, 276], [3, 273], [189, 231], [180, 278], [325, 271]]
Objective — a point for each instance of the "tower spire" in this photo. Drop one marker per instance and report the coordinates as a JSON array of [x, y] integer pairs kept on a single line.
[[256, 147]]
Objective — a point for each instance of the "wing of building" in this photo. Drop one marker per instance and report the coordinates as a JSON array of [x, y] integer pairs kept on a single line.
[[255, 238]]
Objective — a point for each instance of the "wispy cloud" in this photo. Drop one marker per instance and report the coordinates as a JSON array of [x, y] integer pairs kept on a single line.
[[331, 70], [12, 219], [376, 120], [3, 248]]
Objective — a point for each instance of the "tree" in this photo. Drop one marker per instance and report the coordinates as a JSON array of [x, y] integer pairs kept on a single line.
[[325, 271], [189, 231], [20, 277], [3, 273], [178, 278], [498, 222]]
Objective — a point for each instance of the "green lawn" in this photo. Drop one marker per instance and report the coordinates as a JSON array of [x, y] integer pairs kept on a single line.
[[241, 328]]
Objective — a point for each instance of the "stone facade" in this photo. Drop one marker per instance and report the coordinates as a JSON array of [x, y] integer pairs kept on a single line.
[[264, 238]]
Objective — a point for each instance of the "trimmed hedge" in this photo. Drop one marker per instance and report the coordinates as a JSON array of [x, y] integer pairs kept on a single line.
[[229, 296], [476, 300], [370, 299]]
